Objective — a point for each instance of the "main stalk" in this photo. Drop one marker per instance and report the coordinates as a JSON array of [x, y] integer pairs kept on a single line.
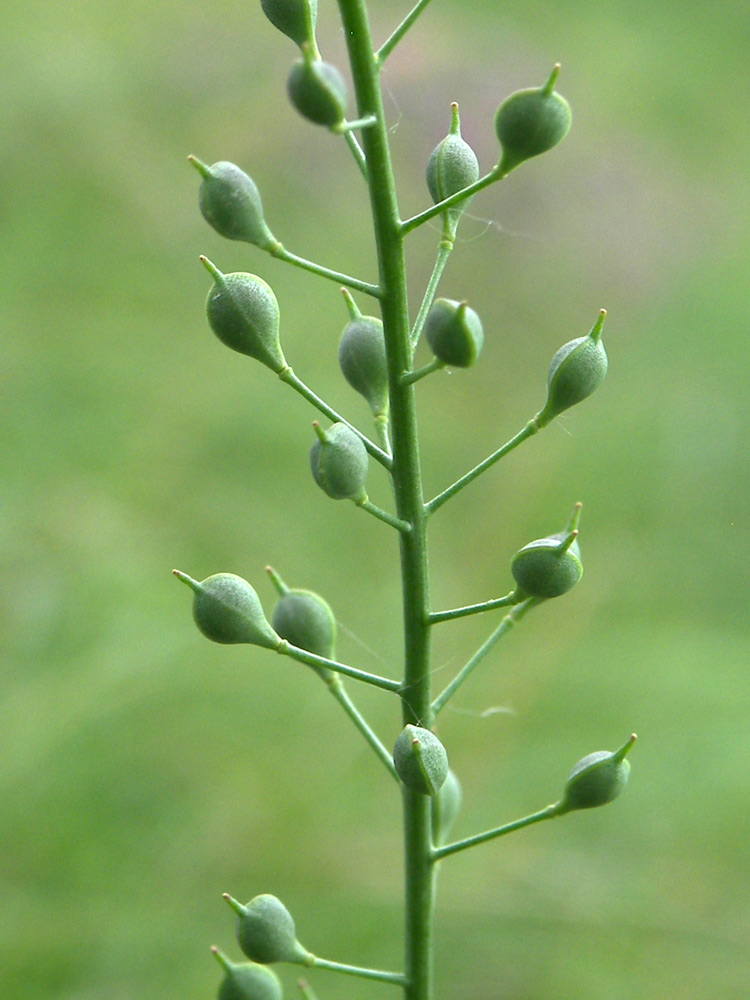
[[407, 482]]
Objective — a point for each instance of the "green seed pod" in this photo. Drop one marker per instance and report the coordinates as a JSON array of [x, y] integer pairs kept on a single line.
[[549, 567], [246, 981], [227, 609], [244, 314], [294, 18], [420, 760], [338, 460], [317, 90], [576, 370], [266, 931], [304, 619], [230, 202], [530, 122], [452, 166], [454, 333], [597, 779], [445, 807], [362, 360]]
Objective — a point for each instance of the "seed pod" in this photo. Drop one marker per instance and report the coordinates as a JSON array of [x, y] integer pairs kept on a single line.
[[227, 609], [304, 619], [454, 332], [317, 90], [266, 931], [294, 18], [576, 370], [338, 460], [246, 981], [445, 807], [596, 779], [530, 122], [362, 360], [420, 760], [549, 567], [231, 203], [452, 166], [244, 314]]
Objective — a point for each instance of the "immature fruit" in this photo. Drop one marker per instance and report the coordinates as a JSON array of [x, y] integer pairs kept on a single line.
[[244, 314], [420, 760], [576, 370], [230, 202], [362, 360], [246, 981], [227, 610], [266, 931], [304, 619], [317, 90], [597, 779], [549, 567], [445, 807], [530, 122], [294, 18], [338, 460], [454, 332], [452, 166]]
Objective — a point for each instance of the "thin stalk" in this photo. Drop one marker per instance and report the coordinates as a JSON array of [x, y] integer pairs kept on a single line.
[[454, 199], [549, 812], [383, 515], [407, 484], [531, 428], [356, 151], [280, 251], [287, 375], [409, 378], [389, 45], [471, 609], [396, 978], [336, 687], [444, 251], [313, 660], [505, 626]]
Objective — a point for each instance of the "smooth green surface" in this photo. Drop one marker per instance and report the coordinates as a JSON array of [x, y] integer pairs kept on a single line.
[[145, 770]]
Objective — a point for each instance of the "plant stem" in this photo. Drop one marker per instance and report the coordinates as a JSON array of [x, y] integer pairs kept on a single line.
[[355, 970], [387, 47], [336, 687], [454, 199], [471, 609], [356, 151], [444, 251], [281, 252], [407, 484], [549, 812], [383, 515], [313, 660]]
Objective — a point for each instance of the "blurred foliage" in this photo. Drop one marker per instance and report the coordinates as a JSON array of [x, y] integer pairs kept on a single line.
[[145, 771]]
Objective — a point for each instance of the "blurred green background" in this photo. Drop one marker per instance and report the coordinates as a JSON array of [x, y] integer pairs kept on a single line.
[[144, 771]]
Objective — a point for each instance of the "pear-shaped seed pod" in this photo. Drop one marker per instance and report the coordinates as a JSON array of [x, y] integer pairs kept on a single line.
[[304, 619], [294, 18], [420, 760], [454, 333], [530, 122], [266, 931], [362, 360], [317, 90], [452, 166], [339, 462], [227, 610], [231, 203], [597, 779], [246, 980], [445, 807], [244, 314], [549, 567], [577, 369]]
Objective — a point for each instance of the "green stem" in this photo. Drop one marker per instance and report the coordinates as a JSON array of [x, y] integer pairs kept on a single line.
[[471, 609], [409, 378], [407, 485], [549, 812], [281, 252], [287, 375], [357, 153], [336, 687], [313, 660], [444, 251], [459, 196], [505, 626], [388, 46], [531, 428], [354, 970], [383, 515]]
